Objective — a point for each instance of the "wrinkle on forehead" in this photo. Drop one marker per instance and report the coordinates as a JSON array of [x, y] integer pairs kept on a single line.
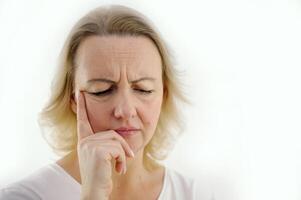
[[108, 55], [117, 47]]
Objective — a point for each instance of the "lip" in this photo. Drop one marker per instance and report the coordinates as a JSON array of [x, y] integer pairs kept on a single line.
[[127, 131]]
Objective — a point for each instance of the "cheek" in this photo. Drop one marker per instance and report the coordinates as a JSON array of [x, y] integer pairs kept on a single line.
[[151, 113], [98, 114]]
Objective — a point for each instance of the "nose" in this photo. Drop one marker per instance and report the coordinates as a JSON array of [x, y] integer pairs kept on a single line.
[[124, 107]]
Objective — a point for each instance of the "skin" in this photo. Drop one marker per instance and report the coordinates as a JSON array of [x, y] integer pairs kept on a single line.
[[133, 66]]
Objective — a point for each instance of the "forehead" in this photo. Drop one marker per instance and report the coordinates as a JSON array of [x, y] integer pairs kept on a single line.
[[107, 55]]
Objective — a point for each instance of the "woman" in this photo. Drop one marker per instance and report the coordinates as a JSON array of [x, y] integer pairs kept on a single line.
[[112, 115]]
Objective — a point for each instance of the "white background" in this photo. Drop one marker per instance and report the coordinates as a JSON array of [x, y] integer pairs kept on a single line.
[[242, 63]]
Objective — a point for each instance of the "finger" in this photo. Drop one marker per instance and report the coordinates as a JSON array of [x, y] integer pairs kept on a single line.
[[120, 161], [115, 136], [83, 125], [116, 153]]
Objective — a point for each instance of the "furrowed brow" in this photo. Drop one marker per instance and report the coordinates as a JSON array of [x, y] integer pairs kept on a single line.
[[113, 82], [100, 80], [143, 79]]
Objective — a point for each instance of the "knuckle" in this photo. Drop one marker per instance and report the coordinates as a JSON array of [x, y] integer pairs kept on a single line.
[[117, 136], [118, 145]]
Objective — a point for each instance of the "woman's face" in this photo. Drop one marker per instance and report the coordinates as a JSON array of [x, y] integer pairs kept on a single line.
[[122, 80]]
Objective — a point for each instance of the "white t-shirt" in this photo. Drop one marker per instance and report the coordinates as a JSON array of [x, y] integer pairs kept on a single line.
[[53, 183]]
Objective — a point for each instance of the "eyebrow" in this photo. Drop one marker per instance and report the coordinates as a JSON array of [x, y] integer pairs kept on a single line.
[[113, 82]]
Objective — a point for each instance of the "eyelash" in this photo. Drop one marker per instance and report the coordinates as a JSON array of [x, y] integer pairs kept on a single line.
[[110, 90], [103, 93], [145, 91]]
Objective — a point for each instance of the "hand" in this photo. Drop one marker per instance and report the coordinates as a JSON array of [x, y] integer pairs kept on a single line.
[[95, 153]]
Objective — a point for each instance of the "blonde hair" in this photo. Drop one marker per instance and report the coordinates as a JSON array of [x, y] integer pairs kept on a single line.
[[58, 121]]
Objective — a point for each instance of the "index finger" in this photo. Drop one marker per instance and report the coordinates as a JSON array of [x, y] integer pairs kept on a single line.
[[83, 125]]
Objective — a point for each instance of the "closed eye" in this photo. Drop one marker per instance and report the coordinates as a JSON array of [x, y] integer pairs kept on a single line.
[[103, 93], [111, 90], [144, 91]]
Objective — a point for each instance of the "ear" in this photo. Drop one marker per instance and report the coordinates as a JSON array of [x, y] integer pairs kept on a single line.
[[73, 104]]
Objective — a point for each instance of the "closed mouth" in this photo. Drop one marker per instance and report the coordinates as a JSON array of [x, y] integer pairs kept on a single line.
[[127, 132]]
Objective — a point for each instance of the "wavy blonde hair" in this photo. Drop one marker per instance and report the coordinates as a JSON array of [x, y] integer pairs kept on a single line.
[[58, 121]]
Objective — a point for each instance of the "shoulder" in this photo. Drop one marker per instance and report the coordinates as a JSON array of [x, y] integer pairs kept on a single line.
[[180, 186], [18, 191], [49, 182]]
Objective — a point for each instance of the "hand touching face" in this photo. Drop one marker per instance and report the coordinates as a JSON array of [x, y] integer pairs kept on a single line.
[[96, 153]]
